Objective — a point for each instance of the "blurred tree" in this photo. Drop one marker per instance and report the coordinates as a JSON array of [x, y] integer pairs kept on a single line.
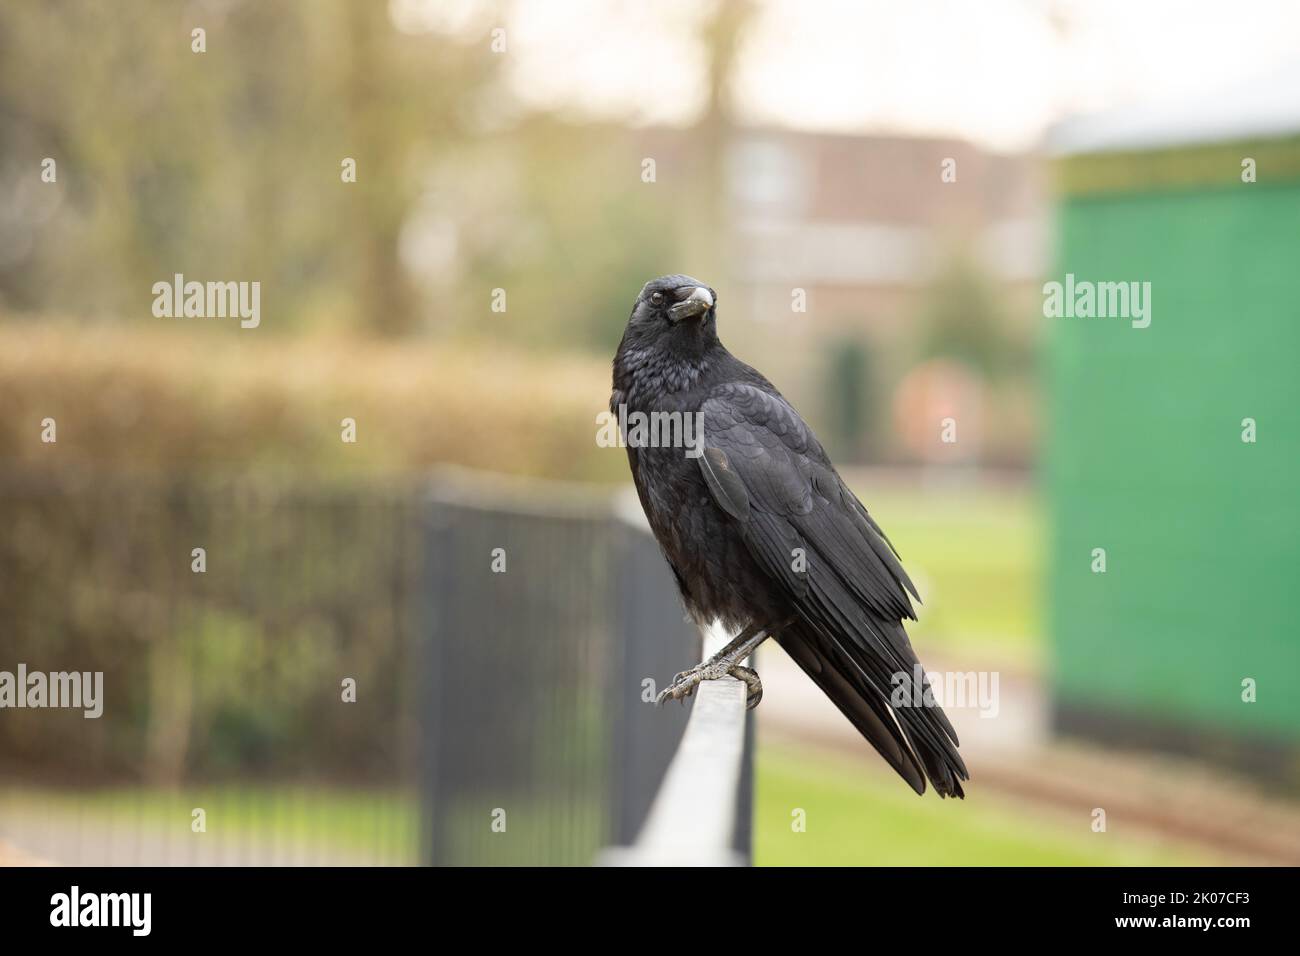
[[223, 164], [961, 319], [554, 213], [848, 399], [226, 165], [712, 134]]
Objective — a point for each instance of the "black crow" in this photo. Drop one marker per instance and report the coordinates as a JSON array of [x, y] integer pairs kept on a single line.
[[763, 535]]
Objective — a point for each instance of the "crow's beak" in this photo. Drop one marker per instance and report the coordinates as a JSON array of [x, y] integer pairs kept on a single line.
[[697, 303]]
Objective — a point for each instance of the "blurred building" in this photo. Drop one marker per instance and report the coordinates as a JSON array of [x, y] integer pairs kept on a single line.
[[864, 223]]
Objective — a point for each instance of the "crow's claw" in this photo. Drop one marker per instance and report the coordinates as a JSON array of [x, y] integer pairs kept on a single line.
[[753, 686], [684, 684]]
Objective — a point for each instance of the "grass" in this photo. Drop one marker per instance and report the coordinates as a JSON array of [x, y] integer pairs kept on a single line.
[[381, 826], [975, 553], [856, 815]]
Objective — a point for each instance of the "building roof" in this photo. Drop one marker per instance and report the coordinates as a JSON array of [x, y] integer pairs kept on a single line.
[[1264, 108]]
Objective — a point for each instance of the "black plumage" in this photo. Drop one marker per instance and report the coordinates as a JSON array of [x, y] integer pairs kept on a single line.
[[762, 533]]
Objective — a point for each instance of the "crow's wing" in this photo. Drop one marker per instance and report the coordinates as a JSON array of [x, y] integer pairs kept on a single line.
[[815, 540]]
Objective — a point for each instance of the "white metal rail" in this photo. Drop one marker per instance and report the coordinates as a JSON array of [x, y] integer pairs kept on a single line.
[[692, 821]]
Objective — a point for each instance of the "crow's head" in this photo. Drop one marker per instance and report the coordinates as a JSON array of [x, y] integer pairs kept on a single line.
[[675, 313]]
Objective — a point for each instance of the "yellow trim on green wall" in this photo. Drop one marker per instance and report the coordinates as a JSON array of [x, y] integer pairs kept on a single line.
[[1177, 167]]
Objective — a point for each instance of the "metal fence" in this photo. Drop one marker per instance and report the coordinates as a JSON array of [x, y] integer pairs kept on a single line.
[[703, 809], [376, 673]]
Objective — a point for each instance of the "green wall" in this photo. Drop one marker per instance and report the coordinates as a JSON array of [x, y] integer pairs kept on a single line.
[[1145, 459]]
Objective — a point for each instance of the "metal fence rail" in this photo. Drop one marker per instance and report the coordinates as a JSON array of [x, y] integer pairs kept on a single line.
[[701, 813]]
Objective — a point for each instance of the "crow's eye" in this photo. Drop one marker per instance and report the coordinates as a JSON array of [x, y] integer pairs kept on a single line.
[[657, 298]]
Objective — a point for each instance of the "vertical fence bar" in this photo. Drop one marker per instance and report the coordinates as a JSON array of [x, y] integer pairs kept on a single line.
[[430, 633]]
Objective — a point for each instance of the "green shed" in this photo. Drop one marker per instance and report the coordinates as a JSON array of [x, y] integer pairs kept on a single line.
[[1172, 439]]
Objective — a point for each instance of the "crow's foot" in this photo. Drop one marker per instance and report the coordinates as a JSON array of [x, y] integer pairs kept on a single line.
[[684, 684]]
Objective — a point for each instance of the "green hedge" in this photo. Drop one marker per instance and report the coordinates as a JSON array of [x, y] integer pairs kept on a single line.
[[195, 398]]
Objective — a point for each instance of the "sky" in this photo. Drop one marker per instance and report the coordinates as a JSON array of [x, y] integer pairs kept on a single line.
[[996, 72]]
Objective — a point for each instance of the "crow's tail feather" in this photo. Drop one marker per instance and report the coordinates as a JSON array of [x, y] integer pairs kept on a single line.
[[913, 755]]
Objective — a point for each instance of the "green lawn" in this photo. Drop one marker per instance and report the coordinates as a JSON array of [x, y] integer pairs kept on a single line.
[[975, 553], [859, 816], [378, 826], [855, 814]]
